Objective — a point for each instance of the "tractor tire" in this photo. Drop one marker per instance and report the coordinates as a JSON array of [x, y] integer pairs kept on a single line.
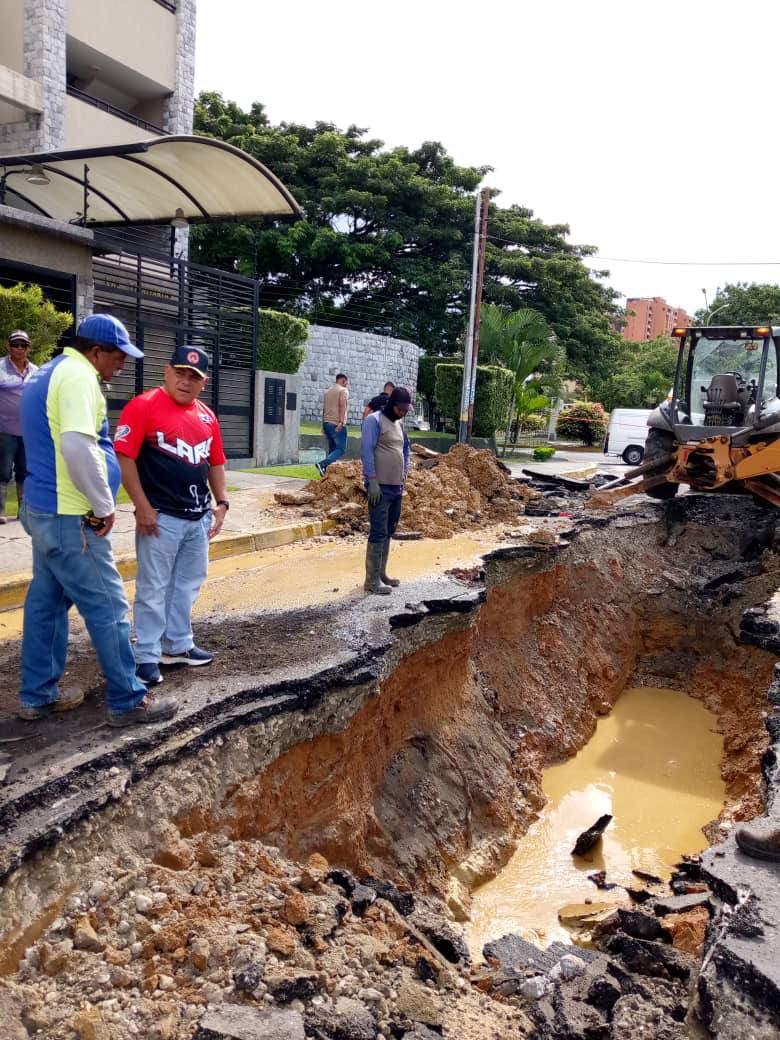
[[658, 443]]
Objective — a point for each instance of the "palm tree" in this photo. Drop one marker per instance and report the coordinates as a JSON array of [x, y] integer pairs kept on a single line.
[[522, 341]]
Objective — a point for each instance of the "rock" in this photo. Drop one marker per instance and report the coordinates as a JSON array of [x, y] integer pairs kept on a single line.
[[53, 958], [353, 1021], [402, 901], [650, 958], [419, 1004], [442, 936], [688, 930], [86, 938], [166, 1028], [314, 872], [603, 993], [421, 1032], [510, 951], [424, 970], [286, 987], [361, 899], [296, 909], [89, 1024], [238, 1022], [280, 941], [641, 925], [143, 902], [586, 841], [681, 904], [571, 966], [121, 978], [200, 951], [343, 879], [534, 988], [248, 977], [175, 855]]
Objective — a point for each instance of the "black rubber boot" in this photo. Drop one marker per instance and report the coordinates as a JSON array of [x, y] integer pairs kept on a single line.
[[3, 500], [760, 838], [373, 582], [393, 582]]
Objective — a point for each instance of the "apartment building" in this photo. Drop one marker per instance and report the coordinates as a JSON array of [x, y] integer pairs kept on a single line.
[[81, 73], [648, 317]]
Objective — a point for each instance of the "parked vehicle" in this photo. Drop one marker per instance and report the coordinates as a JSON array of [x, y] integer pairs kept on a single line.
[[626, 434]]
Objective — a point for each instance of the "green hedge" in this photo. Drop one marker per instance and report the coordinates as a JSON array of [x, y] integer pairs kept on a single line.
[[491, 399], [281, 340], [23, 307]]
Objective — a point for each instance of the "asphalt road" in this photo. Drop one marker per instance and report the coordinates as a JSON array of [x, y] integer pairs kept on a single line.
[[565, 460]]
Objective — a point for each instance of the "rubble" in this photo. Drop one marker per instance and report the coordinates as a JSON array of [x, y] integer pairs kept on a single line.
[[464, 489]]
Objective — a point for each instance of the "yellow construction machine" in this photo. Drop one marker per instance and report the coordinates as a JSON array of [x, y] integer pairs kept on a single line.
[[720, 429]]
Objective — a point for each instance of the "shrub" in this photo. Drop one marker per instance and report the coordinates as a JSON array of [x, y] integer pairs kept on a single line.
[[23, 307], [584, 422], [532, 422], [543, 451], [281, 340], [491, 399]]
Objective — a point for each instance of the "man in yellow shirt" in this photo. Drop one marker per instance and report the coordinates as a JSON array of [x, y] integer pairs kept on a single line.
[[68, 511]]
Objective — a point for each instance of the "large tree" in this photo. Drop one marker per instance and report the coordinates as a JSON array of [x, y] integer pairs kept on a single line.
[[643, 374], [386, 240], [743, 303]]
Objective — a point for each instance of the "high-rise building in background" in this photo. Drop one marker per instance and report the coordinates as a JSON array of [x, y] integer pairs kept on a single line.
[[651, 316], [80, 73]]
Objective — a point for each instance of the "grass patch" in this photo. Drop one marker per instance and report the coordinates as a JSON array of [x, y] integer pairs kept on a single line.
[[299, 472]]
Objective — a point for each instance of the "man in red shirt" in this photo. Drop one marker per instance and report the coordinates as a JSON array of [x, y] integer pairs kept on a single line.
[[170, 452]]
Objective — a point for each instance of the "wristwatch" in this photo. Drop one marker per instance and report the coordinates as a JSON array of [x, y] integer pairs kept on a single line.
[[224, 502]]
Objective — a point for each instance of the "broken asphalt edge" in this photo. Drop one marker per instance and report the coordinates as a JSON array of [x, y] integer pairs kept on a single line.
[[13, 587]]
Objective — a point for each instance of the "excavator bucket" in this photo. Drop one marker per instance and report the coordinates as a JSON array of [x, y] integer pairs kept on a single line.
[[651, 474]]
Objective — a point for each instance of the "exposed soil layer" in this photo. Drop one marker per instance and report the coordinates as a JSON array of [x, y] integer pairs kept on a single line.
[[427, 778], [466, 488]]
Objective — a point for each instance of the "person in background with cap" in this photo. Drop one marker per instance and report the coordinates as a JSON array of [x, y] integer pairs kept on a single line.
[[384, 453], [170, 452], [68, 511], [15, 370], [376, 404]]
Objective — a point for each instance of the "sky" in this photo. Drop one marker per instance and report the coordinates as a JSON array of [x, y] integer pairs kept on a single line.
[[649, 128]]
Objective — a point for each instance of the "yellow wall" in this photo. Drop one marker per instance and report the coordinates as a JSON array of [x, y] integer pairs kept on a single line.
[[86, 125], [11, 49], [140, 34]]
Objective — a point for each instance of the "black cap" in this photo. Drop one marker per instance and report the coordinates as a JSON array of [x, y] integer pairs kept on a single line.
[[191, 357]]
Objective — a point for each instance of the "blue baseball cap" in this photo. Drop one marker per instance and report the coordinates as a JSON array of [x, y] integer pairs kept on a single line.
[[191, 357], [108, 331]]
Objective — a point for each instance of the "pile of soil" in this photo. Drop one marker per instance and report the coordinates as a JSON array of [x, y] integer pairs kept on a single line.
[[466, 488], [215, 932]]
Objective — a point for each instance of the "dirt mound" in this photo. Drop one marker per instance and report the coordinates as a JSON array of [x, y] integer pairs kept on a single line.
[[466, 488]]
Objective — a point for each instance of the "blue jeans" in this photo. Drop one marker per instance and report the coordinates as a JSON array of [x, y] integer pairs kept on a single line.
[[384, 516], [171, 570], [337, 443], [12, 458], [72, 565]]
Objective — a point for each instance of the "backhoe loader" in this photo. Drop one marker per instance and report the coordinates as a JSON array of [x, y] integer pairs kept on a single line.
[[720, 429]]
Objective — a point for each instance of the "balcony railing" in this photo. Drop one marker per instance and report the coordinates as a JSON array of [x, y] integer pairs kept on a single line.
[[114, 111], [169, 5]]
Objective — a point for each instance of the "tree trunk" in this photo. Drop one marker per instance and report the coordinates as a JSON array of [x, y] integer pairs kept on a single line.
[[508, 429]]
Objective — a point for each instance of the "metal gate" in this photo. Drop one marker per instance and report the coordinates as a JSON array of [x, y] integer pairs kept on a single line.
[[166, 302]]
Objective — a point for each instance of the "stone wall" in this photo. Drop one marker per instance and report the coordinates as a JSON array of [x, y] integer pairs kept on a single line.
[[369, 361], [179, 107], [44, 62]]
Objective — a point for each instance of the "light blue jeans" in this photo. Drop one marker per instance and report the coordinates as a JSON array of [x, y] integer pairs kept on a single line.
[[171, 570], [72, 565]]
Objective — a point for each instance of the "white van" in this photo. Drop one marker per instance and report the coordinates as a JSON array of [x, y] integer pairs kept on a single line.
[[626, 434]]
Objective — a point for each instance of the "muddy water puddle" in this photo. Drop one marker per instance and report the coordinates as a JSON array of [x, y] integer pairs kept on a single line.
[[654, 765]]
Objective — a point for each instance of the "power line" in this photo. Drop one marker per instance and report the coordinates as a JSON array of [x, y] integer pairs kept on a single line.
[[626, 260]]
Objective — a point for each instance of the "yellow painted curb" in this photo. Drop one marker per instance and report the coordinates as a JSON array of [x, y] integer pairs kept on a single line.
[[13, 587], [580, 474]]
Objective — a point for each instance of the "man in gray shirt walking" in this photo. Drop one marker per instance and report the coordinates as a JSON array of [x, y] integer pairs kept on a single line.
[[384, 453]]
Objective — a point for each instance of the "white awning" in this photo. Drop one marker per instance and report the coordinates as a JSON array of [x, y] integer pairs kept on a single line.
[[146, 183]]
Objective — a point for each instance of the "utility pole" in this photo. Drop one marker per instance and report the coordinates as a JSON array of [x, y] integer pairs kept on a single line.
[[471, 353]]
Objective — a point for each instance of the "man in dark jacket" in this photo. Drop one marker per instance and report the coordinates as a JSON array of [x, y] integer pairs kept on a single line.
[[384, 453]]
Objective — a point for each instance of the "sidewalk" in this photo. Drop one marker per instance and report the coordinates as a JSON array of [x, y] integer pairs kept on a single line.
[[253, 522]]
